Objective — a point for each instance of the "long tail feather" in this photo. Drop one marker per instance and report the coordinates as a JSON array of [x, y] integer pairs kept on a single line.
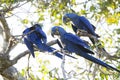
[[97, 61], [29, 46], [45, 47]]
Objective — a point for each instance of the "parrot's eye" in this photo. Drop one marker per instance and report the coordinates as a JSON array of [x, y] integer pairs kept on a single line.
[[56, 29], [57, 32], [67, 19]]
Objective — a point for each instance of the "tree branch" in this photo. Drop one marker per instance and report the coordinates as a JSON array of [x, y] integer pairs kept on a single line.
[[6, 31], [52, 42], [10, 45], [14, 61], [5, 28], [11, 7], [85, 33], [63, 69]]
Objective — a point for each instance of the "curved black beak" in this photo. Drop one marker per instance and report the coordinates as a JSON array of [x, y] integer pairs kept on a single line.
[[54, 31], [64, 20], [52, 34]]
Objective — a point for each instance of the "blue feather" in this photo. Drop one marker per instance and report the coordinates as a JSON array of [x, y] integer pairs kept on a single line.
[[29, 46], [38, 37], [74, 44], [80, 22]]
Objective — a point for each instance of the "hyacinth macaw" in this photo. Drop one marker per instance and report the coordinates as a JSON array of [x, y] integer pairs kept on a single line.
[[80, 22], [74, 44], [35, 35]]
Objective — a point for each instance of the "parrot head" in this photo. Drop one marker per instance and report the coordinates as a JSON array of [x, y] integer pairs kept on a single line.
[[69, 17], [56, 30], [34, 26], [66, 19], [37, 25]]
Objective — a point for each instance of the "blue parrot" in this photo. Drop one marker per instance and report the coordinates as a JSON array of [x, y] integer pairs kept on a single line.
[[37, 37], [80, 22], [74, 44]]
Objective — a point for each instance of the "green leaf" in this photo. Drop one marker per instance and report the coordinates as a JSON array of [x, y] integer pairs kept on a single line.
[[92, 8], [118, 31], [83, 11], [73, 1], [23, 72], [61, 6], [106, 77], [102, 76], [111, 20], [25, 21]]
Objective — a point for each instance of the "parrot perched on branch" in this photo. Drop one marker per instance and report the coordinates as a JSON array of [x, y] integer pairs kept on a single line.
[[74, 44], [35, 36], [80, 22]]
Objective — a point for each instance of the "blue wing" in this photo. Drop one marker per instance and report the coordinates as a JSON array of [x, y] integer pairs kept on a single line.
[[45, 47], [26, 31], [29, 46], [87, 24], [77, 41], [81, 51], [41, 34]]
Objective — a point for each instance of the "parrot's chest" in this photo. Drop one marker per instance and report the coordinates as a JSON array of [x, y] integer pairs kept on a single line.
[[69, 46], [78, 24]]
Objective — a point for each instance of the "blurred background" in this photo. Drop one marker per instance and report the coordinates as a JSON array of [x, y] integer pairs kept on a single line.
[[17, 15]]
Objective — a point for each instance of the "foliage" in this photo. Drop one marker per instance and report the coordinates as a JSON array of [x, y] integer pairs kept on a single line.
[[96, 10], [42, 73], [109, 9]]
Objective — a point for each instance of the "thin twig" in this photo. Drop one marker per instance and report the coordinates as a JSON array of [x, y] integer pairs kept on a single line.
[[14, 61], [11, 44], [28, 68], [63, 69]]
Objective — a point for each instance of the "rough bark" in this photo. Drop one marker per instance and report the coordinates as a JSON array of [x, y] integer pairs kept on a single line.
[[6, 65], [11, 73], [7, 70]]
